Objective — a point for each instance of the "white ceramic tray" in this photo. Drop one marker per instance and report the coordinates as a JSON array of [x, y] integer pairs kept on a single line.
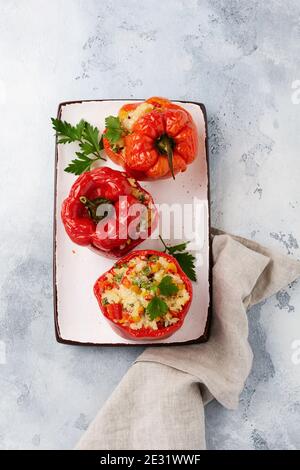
[[78, 319]]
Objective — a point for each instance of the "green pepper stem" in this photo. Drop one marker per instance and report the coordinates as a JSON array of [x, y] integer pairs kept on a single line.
[[165, 146], [166, 248], [92, 206], [84, 200]]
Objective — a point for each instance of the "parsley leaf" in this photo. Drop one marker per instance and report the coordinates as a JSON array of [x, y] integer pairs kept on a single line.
[[187, 264], [66, 133], [89, 139], [184, 258], [114, 130], [80, 164], [167, 286], [156, 308], [175, 248], [91, 135]]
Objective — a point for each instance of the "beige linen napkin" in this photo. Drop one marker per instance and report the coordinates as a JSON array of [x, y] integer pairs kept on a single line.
[[159, 404]]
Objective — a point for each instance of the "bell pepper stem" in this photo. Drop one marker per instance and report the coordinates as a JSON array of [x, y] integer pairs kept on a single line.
[[92, 206], [165, 146]]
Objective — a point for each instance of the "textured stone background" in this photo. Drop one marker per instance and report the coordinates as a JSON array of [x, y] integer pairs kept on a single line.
[[240, 58]]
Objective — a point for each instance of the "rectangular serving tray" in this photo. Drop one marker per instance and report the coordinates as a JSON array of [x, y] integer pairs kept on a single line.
[[77, 317]]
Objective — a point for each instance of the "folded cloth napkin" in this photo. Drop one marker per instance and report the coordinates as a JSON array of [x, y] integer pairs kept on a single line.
[[159, 404]]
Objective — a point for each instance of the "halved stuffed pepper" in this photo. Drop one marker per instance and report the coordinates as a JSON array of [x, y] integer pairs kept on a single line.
[[145, 295], [108, 211], [151, 140]]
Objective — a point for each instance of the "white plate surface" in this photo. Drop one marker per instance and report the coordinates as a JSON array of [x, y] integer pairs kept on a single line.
[[77, 268]]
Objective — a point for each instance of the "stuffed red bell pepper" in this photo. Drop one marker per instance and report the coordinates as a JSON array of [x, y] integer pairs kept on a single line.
[[145, 295], [108, 211], [151, 140]]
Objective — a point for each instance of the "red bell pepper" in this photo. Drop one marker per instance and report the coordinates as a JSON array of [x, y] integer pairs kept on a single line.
[[160, 143], [114, 193], [117, 315], [114, 311]]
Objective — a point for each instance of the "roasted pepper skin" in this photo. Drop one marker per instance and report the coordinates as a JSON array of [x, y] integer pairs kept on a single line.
[[144, 333], [141, 157], [110, 184]]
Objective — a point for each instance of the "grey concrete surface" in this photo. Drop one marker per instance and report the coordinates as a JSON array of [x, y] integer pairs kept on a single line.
[[241, 58]]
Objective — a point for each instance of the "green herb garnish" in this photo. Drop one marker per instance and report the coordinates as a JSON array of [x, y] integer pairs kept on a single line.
[[89, 139], [157, 307], [185, 259], [167, 286], [114, 130]]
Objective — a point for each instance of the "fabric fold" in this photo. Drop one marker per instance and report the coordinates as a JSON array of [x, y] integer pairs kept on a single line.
[[159, 404], [142, 413]]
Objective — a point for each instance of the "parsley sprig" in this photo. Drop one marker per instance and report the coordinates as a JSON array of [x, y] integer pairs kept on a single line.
[[184, 258], [90, 143]]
